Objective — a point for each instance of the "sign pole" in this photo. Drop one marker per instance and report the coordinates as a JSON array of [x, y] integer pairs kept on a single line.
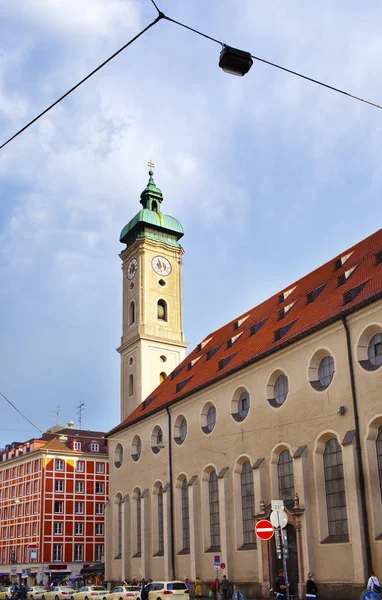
[[284, 550]]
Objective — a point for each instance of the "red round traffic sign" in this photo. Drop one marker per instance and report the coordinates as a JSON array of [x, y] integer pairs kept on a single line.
[[264, 529], [222, 566]]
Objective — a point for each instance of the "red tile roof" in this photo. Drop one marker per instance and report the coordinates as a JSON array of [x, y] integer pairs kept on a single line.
[[282, 319]]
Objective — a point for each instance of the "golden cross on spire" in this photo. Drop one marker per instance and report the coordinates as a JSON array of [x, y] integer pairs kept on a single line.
[[151, 165]]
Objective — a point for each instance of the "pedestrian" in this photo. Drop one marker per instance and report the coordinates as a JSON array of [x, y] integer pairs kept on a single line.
[[225, 587], [373, 583], [215, 587], [311, 587], [280, 585], [198, 589], [188, 585], [14, 591], [22, 592]]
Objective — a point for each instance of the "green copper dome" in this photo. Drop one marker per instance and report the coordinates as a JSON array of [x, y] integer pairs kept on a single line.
[[150, 222]]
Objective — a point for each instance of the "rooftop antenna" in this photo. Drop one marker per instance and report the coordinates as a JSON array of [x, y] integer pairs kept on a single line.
[[80, 409], [57, 413]]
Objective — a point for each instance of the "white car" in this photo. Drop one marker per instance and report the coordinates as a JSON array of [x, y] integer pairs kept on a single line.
[[58, 592], [160, 590], [35, 592], [133, 592], [89, 592]]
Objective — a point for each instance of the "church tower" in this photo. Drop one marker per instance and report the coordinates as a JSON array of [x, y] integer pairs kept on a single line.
[[152, 343]]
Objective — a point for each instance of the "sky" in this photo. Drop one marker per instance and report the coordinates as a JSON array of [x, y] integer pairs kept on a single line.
[[270, 175]]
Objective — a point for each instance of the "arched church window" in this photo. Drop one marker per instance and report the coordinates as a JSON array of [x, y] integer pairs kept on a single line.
[[213, 490], [335, 492], [131, 313], [162, 377], [248, 503], [285, 476], [379, 457], [131, 385], [139, 525], [160, 522], [185, 517], [162, 310]]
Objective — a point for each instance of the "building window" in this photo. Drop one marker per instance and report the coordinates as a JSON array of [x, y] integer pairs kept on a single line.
[[248, 504], [211, 419], [29, 467], [78, 552], [213, 490], [27, 529], [160, 522], [136, 448], [285, 476], [58, 507], [80, 466], [335, 492], [379, 457], [99, 508], [157, 439], [180, 430], [185, 517], [60, 465], [36, 486], [98, 552], [100, 467], [35, 507], [162, 377], [277, 389], [94, 447], [99, 529], [13, 511], [139, 525], [79, 529], [240, 405], [21, 489], [34, 528], [59, 485], [326, 371], [79, 508], [131, 313], [18, 531], [99, 487], [374, 351], [131, 385], [162, 310], [80, 487], [118, 456], [37, 465], [57, 528], [57, 552], [77, 445], [27, 508]]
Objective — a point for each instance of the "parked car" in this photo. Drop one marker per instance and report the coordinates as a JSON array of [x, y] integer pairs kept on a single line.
[[125, 591], [5, 593], [61, 592], [161, 589], [35, 592], [89, 592]]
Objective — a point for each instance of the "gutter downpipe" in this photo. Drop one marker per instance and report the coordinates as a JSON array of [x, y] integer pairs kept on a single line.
[[365, 519], [171, 495]]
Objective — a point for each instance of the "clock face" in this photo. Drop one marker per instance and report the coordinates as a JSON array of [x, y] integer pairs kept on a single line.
[[161, 265], [132, 268]]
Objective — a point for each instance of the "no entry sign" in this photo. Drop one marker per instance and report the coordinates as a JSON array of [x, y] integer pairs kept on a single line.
[[264, 529]]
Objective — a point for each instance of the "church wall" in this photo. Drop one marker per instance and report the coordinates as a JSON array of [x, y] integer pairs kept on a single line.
[[307, 418]]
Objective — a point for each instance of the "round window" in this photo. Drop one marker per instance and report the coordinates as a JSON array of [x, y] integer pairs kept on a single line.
[[240, 404], [374, 351], [136, 448], [326, 371], [118, 455], [208, 418], [281, 389]]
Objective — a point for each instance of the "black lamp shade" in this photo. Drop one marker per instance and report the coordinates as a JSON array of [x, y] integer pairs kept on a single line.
[[235, 62]]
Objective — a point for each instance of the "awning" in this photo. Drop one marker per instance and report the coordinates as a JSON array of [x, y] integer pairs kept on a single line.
[[93, 569]]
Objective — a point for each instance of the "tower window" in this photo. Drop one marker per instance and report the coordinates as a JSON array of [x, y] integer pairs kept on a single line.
[[154, 206], [162, 310], [162, 377], [131, 313], [131, 385]]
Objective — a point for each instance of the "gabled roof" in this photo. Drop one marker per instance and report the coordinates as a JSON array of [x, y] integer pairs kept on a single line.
[[339, 287]]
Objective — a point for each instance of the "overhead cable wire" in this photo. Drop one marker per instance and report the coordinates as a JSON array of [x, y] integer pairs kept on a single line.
[[82, 81], [326, 85], [161, 16], [20, 412]]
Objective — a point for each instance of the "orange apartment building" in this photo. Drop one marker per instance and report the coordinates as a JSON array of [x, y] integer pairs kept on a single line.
[[53, 491]]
